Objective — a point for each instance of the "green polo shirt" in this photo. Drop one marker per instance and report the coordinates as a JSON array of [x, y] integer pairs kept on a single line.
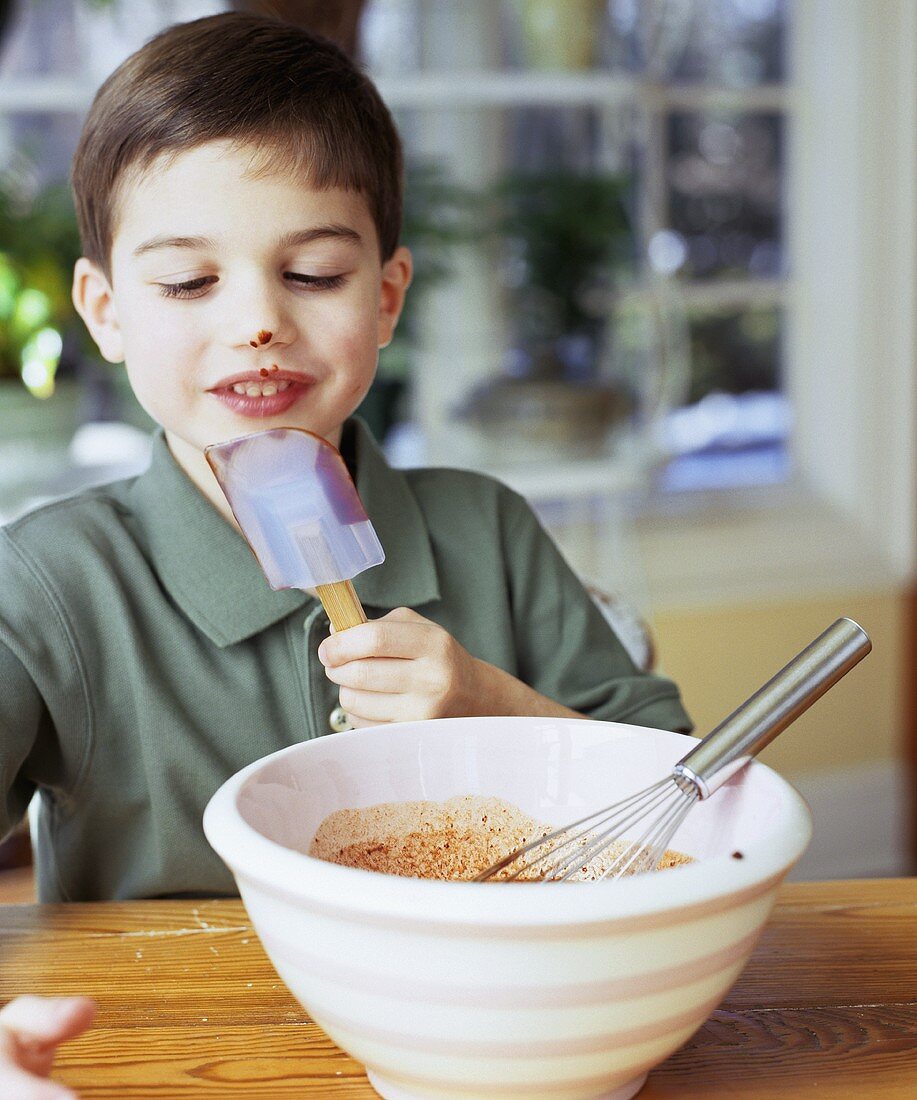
[[144, 659]]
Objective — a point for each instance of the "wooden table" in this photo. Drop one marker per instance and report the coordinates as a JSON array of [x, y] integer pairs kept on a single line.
[[189, 1005]]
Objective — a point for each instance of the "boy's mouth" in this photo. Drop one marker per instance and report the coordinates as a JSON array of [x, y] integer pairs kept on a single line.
[[267, 392]]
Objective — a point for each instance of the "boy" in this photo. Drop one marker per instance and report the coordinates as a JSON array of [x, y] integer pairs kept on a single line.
[[238, 188]]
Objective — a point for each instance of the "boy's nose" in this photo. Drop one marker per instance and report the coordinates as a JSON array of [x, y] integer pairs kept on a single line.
[[260, 332], [257, 320]]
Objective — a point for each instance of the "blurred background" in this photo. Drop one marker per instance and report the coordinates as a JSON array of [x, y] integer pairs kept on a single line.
[[666, 288]]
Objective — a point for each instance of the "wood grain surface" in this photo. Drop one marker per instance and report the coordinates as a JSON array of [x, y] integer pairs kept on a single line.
[[190, 1007]]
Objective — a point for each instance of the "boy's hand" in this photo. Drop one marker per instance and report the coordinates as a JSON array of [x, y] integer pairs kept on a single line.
[[401, 668], [404, 668], [30, 1030]]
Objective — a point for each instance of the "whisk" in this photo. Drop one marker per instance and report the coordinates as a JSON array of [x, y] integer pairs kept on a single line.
[[654, 814]]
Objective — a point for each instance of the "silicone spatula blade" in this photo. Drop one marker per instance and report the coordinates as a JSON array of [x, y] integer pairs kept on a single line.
[[299, 510]]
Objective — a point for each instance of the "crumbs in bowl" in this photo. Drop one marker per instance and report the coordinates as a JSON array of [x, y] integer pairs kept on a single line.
[[456, 839]]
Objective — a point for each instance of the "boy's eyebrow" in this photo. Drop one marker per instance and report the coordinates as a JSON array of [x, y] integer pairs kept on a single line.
[[332, 231]]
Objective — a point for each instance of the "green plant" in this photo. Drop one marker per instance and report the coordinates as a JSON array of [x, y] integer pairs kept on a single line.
[[438, 216], [567, 237], [40, 244]]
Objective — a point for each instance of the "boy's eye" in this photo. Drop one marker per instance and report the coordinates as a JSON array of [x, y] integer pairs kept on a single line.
[[315, 282], [186, 290], [193, 287]]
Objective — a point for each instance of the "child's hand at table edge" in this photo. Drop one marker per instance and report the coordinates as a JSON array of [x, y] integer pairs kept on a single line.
[[31, 1028], [404, 668]]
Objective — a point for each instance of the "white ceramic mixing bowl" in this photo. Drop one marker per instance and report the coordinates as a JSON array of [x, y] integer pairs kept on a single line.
[[488, 990]]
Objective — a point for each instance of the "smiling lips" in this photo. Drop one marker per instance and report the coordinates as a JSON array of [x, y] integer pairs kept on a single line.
[[262, 393]]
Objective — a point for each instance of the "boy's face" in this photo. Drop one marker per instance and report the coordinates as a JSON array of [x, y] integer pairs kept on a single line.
[[224, 283]]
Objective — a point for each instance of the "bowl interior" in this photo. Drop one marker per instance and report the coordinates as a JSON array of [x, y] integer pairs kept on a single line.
[[556, 770]]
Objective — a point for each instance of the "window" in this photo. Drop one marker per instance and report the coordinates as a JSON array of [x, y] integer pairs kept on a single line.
[[686, 105], [805, 297]]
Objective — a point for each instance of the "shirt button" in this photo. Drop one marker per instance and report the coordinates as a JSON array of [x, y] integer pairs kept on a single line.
[[338, 720]]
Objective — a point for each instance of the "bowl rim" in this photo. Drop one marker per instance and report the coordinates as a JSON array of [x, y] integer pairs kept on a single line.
[[353, 892]]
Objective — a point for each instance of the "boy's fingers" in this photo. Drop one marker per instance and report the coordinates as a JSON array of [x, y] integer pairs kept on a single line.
[[377, 638], [18, 1083], [373, 707], [402, 615], [361, 723], [380, 674], [47, 1021], [31, 1029]]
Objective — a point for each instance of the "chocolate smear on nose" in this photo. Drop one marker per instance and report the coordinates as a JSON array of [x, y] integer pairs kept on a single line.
[[264, 336]]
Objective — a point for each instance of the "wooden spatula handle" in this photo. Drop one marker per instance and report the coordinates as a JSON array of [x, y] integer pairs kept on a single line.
[[341, 603]]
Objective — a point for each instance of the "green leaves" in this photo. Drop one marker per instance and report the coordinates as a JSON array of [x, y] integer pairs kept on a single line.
[[40, 244], [569, 234]]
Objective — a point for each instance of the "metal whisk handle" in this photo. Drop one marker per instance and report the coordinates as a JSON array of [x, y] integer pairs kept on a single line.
[[756, 723]]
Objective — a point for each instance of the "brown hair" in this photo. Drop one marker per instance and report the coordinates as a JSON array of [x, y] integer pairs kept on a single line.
[[294, 97]]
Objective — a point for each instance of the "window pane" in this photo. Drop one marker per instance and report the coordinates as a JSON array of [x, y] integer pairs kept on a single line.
[[735, 352], [737, 43], [542, 139], [735, 425], [36, 147], [568, 233], [575, 35], [40, 39], [390, 37], [724, 189], [112, 31]]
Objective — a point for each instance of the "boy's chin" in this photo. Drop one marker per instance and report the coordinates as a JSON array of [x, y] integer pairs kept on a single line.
[[191, 448]]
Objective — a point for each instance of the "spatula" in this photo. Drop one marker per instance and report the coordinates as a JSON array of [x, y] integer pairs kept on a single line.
[[298, 508]]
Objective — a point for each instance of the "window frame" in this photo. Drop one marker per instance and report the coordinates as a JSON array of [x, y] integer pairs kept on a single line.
[[848, 519]]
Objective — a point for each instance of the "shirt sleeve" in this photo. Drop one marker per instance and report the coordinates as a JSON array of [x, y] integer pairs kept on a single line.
[[567, 649], [41, 690], [21, 709]]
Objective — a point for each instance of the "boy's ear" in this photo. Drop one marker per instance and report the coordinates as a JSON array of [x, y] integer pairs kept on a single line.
[[94, 301], [396, 278]]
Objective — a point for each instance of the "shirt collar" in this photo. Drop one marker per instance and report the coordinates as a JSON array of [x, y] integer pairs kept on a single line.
[[210, 572]]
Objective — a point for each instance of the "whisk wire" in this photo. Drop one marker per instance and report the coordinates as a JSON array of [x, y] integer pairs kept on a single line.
[[598, 818], [645, 853], [602, 829], [621, 817], [576, 847], [635, 851]]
